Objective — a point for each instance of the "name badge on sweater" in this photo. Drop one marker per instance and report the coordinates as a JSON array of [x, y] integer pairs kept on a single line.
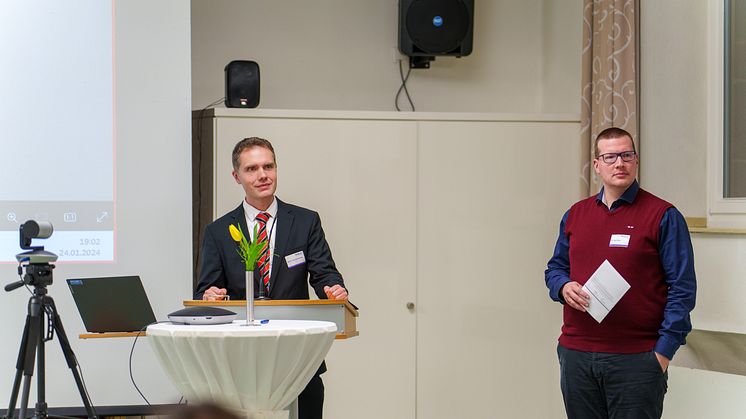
[[297, 258], [619, 240]]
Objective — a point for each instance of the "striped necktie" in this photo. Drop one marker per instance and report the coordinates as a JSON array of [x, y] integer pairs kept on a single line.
[[261, 236]]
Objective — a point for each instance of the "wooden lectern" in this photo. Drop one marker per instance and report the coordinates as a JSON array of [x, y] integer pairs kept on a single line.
[[343, 313]]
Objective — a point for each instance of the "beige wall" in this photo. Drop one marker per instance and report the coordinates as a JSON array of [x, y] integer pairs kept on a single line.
[[676, 72], [340, 55], [673, 108]]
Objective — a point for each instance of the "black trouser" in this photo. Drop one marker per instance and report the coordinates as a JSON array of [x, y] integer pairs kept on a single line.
[[311, 399], [597, 385]]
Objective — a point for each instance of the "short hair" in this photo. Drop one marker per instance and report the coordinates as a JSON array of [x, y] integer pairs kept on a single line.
[[609, 133], [248, 143]]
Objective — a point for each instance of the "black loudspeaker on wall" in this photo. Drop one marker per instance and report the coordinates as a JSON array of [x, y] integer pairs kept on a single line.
[[436, 27], [242, 84]]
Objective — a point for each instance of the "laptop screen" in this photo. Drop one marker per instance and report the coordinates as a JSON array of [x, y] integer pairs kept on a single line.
[[112, 304]]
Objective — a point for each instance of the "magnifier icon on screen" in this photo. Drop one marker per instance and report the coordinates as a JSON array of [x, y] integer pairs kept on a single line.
[[12, 217]]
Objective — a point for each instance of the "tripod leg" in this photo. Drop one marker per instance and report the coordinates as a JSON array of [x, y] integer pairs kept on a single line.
[[14, 394], [41, 386], [24, 396], [19, 370], [72, 362], [33, 342]]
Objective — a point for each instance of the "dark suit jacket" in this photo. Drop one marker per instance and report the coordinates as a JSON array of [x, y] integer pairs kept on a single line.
[[297, 229]]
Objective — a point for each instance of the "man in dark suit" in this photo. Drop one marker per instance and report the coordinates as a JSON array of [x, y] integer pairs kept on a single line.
[[299, 251]]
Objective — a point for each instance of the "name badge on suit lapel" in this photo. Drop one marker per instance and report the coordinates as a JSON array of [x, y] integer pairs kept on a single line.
[[297, 258]]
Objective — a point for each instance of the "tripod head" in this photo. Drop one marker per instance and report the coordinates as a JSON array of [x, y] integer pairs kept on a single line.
[[36, 260]]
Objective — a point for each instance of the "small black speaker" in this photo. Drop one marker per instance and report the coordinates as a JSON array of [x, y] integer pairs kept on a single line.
[[436, 27], [242, 84]]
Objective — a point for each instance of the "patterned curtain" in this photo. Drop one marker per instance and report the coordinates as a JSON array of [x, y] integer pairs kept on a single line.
[[609, 77]]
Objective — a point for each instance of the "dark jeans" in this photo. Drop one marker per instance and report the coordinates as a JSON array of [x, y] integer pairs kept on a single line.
[[597, 385], [311, 399]]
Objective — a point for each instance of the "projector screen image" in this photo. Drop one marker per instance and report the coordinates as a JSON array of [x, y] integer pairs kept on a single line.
[[57, 114]]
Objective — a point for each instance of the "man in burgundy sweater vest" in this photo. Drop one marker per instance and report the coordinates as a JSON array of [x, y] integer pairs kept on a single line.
[[618, 368]]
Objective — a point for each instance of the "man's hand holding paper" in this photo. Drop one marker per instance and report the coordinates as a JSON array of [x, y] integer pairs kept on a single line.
[[605, 288], [574, 296]]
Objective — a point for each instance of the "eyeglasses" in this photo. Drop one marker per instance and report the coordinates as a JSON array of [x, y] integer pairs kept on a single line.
[[610, 158]]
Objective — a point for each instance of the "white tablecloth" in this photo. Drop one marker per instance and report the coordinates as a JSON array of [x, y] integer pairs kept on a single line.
[[259, 370]]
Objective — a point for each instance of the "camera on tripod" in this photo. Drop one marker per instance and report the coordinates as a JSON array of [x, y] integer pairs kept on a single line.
[[36, 259], [37, 331]]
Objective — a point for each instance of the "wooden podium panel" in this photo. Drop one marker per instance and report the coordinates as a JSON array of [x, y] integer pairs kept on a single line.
[[343, 313]]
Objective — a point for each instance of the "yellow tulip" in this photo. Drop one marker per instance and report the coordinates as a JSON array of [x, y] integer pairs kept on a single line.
[[235, 234]]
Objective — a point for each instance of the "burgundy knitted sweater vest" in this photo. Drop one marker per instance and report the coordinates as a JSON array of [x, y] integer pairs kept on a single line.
[[632, 325]]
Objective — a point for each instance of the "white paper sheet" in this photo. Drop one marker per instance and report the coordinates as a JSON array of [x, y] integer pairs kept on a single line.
[[606, 287]]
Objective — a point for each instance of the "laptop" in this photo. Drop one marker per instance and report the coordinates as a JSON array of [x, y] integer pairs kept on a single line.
[[112, 304]]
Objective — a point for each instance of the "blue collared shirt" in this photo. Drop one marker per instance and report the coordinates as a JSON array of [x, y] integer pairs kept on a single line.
[[677, 259]]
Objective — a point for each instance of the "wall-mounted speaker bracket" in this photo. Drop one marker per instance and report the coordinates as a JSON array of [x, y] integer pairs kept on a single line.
[[420, 62]]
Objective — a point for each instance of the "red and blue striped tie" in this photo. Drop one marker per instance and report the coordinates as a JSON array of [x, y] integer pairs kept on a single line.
[[263, 261]]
